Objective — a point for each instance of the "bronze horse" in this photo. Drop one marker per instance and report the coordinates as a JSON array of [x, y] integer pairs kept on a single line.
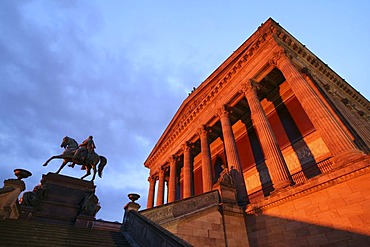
[[71, 146]]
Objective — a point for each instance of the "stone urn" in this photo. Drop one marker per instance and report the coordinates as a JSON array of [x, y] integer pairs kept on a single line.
[[133, 197], [21, 173]]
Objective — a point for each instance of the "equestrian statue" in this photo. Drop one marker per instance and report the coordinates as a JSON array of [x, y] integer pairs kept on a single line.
[[82, 154]]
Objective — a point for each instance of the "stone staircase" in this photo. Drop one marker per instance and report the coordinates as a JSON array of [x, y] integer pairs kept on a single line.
[[31, 233]]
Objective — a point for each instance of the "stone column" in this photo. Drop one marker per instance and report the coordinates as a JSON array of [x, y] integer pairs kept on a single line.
[[339, 143], [346, 108], [187, 171], [172, 181], [273, 157], [160, 196], [232, 155], [151, 192], [229, 140], [206, 159]]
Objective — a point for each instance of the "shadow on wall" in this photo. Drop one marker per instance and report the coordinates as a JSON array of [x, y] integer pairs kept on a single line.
[[264, 230]]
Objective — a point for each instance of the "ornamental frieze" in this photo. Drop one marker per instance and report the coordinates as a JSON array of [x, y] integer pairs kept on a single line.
[[184, 207]]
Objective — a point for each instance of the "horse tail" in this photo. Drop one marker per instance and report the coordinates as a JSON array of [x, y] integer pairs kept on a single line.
[[103, 162]]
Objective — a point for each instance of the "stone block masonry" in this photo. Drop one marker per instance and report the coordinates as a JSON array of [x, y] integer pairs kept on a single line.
[[333, 209]]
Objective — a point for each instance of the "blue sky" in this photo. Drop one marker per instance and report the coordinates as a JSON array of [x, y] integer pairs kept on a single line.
[[119, 70]]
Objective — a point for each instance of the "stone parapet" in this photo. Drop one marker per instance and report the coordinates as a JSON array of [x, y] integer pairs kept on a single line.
[[172, 211]]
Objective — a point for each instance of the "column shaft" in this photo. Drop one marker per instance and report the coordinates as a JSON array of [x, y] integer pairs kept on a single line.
[[273, 157], [206, 160], [232, 157], [339, 143], [172, 181], [229, 141], [160, 196], [345, 107], [187, 172], [151, 192]]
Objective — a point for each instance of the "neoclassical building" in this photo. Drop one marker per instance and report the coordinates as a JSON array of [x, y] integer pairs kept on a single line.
[[273, 116], [273, 111]]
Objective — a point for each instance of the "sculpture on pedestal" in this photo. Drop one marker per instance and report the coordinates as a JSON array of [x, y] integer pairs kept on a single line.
[[34, 198], [225, 177], [89, 205], [82, 154]]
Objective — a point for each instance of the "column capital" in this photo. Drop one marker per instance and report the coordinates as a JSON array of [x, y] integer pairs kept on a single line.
[[249, 85], [223, 111], [152, 179], [278, 56], [172, 159], [204, 130], [161, 171], [186, 146]]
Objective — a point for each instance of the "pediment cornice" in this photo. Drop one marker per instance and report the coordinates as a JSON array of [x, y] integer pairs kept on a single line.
[[201, 97]]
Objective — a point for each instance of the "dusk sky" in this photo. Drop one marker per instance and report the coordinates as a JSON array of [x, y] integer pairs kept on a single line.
[[119, 70]]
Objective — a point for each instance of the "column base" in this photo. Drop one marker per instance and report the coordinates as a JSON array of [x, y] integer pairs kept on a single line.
[[282, 185], [347, 157]]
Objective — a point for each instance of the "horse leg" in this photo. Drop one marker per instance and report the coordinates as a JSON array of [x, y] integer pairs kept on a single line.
[[53, 157], [61, 166], [93, 178], [87, 172]]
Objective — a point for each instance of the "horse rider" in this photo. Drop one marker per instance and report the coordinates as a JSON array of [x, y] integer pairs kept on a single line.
[[88, 145]]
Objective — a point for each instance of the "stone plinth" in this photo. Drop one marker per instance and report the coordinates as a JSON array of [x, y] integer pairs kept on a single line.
[[226, 188], [227, 193], [9, 198], [62, 199]]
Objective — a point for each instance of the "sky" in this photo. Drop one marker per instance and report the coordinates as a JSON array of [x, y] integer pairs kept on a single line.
[[119, 70]]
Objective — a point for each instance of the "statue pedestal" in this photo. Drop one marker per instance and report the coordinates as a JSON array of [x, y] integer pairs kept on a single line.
[[61, 199]]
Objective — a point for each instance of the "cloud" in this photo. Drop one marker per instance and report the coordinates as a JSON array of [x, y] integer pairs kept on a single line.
[[117, 71], [59, 79]]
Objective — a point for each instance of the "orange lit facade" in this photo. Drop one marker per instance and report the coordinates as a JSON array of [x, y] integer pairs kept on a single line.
[[272, 111]]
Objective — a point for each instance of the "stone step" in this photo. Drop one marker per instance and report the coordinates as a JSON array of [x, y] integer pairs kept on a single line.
[[30, 233]]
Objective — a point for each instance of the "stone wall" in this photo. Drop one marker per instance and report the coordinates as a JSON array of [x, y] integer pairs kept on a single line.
[[329, 210], [200, 229], [204, 220]]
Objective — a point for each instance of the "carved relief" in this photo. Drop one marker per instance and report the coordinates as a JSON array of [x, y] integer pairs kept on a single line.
[[252, 179], [180, 208], [306, 154], [195, 203], [159, 214]]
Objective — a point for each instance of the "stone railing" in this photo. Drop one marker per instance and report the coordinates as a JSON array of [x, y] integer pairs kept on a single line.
[[172, 211], [140, 231], [312, 170]]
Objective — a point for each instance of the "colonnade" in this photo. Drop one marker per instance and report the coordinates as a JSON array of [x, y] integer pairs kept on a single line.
[[340, 147]]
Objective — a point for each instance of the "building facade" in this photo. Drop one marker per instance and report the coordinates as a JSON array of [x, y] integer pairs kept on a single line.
[[273, 111], [273, 115]]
